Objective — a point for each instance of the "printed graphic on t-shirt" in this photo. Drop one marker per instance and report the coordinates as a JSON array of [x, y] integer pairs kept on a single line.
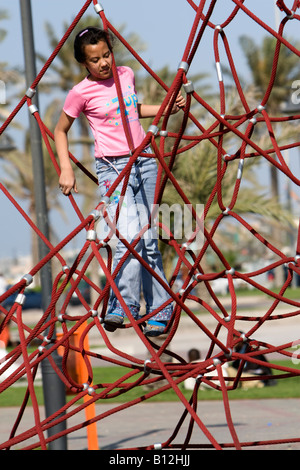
[[114, 111]]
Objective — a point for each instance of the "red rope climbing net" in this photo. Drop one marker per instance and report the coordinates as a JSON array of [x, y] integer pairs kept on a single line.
[[223, 338]]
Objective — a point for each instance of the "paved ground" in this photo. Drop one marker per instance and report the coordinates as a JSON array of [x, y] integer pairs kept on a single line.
[[148, 423]]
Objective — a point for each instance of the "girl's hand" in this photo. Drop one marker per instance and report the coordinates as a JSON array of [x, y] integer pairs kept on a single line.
[[151, 110], [179, 103], [67, 182]]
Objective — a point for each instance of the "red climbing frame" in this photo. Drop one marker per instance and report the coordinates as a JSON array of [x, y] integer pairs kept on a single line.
[[209, 370]]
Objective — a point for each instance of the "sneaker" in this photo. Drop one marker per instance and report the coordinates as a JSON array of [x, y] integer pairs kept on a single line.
[[155, 328], [113, 320]]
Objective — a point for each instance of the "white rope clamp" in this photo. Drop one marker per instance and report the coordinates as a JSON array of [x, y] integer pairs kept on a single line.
[[216, 361], [60, 318], [291, 16], [230, 271], [184, 66], [105, 200], [95, 214], [98, 8], [188, 87], [20, 299], [30, 92], [157, 446], [28, 278], [146, 368], [89, 388], [91, 235], [198, 378], [163, 133], [219, 71], [33, 109], [240, 170], [297, 258], [153, 129]]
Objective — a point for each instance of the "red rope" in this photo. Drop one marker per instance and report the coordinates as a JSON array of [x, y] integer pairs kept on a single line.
[[136, 372]]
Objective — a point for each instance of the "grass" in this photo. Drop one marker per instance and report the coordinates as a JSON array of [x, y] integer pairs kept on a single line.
[[285, 388], [292, 293]]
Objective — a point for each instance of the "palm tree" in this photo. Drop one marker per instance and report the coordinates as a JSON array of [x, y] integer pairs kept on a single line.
[[196, 172], [16, 164], [19, 181], [7, 76], [260, 59]]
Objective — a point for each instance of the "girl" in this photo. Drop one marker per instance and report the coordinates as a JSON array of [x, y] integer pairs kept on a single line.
[[96, 97]]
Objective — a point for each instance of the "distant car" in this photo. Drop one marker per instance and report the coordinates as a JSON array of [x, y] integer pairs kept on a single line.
[[33, 300]]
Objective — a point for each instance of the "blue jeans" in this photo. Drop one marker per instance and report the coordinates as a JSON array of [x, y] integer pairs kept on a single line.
[[132, 278]]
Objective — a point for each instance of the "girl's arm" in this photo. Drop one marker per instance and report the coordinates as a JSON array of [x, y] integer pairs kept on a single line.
[[151, 110], [67, 180]]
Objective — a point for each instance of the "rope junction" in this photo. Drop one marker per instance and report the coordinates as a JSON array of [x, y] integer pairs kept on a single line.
[[165, 375]]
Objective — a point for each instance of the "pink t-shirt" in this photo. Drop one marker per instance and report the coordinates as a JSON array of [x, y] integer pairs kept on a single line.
[[99, 102]]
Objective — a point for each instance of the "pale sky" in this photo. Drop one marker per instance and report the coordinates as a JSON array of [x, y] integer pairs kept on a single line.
[[163, 25]]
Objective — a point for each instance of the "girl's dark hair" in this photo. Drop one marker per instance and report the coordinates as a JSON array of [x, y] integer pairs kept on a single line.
[[89, 35]]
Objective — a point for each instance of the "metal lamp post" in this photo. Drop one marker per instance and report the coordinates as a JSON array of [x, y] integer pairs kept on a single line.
[[53, 387]]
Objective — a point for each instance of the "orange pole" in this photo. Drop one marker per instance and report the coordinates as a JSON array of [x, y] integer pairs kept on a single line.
[[92, 434], [78, 372], [90, 410], [4, 335]]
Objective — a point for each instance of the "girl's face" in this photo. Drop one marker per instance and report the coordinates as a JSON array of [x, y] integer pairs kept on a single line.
[[98, 60]]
